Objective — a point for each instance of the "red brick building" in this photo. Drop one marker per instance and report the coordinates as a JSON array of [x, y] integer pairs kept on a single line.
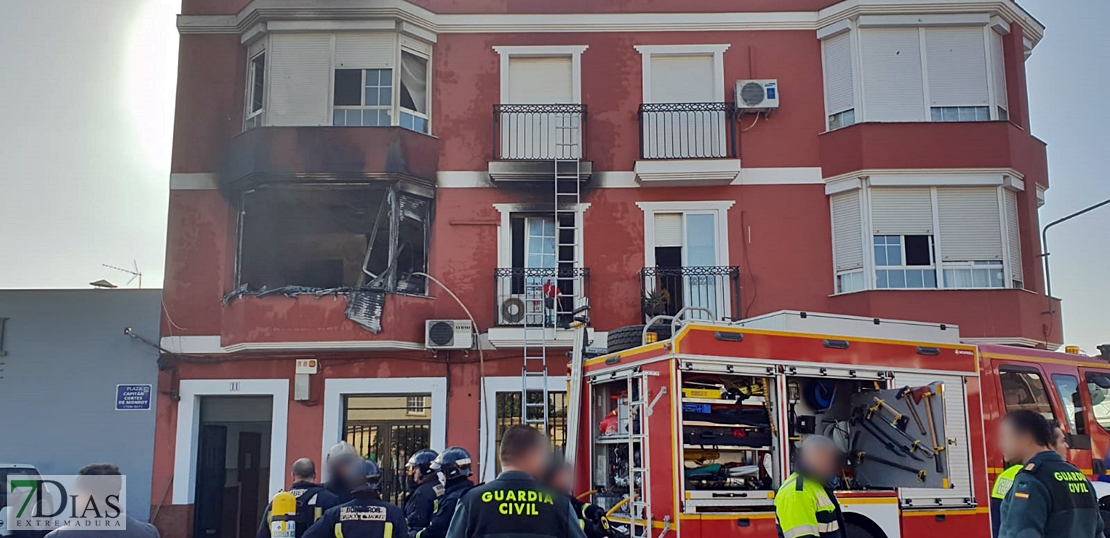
[[326, 151]]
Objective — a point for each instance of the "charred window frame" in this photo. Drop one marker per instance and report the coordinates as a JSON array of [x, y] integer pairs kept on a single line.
[[310, 237]]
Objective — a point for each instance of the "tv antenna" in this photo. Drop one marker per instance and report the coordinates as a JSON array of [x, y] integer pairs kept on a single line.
[[135, 272]]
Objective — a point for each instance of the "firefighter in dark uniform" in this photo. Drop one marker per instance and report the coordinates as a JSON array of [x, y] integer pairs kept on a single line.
[[421, 502], [366, 515], [312, 499], [1049, 496], [453, 469], [340, 456], [590, 517], [515, 503]]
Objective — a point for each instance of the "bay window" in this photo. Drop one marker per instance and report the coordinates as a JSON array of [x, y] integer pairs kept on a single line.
[[884, 69], [943, 237], [348, 79]]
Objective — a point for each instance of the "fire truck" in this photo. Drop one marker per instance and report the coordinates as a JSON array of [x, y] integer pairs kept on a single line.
[[688, 427]]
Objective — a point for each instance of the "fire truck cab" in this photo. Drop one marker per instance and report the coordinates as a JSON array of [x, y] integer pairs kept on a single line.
[[694, 434]]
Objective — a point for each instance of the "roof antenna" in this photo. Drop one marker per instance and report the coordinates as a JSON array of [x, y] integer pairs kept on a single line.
[[135, 273]]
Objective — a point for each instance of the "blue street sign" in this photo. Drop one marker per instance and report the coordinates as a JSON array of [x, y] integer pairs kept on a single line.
[[133, 397]]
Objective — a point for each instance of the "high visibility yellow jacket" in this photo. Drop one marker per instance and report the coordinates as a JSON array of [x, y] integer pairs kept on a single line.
[[807, 508], [1002, 485]]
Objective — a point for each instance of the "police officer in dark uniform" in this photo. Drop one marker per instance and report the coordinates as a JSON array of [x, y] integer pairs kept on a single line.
[[590, 517], [312, 499], [340, 456], [365, 515], [453, 469], [515, 503], [1049, 496], [421, 502]]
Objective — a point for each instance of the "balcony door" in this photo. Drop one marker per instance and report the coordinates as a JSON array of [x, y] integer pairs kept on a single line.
[[533, 133], [680, 119], [686, 260]]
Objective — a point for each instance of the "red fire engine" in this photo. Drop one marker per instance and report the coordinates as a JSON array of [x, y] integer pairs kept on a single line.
[[692, 435]]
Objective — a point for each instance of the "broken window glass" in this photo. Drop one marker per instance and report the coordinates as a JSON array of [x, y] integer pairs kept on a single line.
[[332, 237]]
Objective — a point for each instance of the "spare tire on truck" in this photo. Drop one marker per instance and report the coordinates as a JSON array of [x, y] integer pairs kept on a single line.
[[633, 335]]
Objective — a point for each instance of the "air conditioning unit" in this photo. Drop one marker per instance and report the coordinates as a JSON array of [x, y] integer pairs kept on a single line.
[[757, 95], [514, 308], [448, 334]]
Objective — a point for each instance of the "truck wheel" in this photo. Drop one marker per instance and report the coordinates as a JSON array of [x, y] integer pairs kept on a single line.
[[862, 527], [633, 335]]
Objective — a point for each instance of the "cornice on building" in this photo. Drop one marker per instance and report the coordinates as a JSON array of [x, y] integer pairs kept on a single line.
[[339, 15]]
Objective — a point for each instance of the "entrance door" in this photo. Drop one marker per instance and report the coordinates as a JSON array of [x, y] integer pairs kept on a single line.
[[208, 504], [388, 430], [250, 454]]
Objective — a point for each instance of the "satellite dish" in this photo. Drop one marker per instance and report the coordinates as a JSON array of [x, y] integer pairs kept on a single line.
[[103, 284]]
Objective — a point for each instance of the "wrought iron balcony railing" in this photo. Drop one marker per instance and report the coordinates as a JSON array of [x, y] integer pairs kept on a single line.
[[687, 131], [539, 296], [539, 132], [666, 290]]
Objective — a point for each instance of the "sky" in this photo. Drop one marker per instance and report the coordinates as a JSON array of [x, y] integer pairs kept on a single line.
[[88, 119]]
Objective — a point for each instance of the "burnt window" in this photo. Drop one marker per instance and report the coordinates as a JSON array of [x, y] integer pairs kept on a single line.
[[333, 236]]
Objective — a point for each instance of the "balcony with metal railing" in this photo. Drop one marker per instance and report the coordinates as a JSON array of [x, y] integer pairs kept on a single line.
[[539, 296], [666, 290], [687, 144], [528, 141]]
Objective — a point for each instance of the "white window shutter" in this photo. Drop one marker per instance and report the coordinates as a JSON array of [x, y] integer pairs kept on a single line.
[[901, 211], [839, 94], [300, 79], [365, 51], [957, 60], [682, 79], [893, 88], [847, 231], [541, 81], [969, 223], [668, 229], [1013, 235], [998, 69]]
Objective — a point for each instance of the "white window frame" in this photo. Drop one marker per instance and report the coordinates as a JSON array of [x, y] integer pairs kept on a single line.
[[335, 389], [989, 24], [427, 57], [719, 209], [717, 51], [488, 438], [552, 51], [1011, 181], [394, 118], [188, 428], [505, 229], [420, 409], [256, 118], [905, 267]]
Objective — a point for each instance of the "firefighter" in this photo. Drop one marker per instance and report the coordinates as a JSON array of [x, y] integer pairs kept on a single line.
[[312, 499], [420, 505], [805, 504], [340, 456], [453, 469], [515, 503], [590, 517], [1048, 492], [365, 515]]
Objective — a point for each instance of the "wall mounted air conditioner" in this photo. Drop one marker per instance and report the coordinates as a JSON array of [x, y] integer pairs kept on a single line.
[[448, 334], [515, 307], [757, 95]]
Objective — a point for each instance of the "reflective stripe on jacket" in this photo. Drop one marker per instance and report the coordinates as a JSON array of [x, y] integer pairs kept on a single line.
[[805, 508]]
